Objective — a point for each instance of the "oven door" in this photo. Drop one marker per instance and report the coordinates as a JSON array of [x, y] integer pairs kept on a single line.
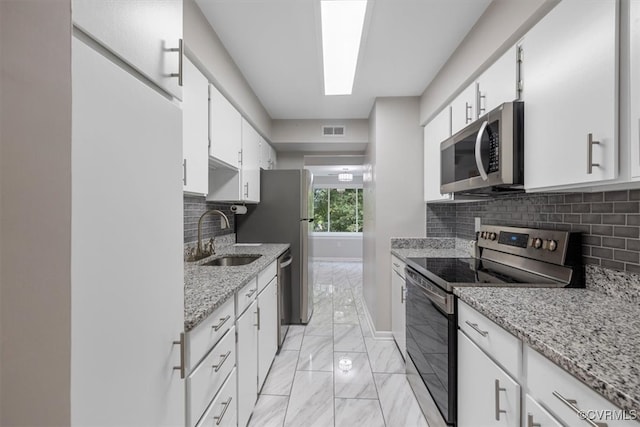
[[431, 340], [486, 153]]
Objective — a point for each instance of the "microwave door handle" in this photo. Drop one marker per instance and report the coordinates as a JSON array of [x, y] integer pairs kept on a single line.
[[479, 164]]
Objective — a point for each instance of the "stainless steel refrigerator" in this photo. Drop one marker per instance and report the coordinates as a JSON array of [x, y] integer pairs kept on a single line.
[[285, 215]]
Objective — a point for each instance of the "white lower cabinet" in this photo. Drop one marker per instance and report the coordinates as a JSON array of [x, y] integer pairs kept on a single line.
[[247, 362], [536, 416], [222, 411], [267, 329], [487, 395], [398, 307]]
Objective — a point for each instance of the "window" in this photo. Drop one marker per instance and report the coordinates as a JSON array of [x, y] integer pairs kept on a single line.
[[337, 210]]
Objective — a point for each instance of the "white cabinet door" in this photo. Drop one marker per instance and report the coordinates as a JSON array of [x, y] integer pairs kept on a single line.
[[498, 84], [273, 155], [463, 109], [247, 362], [127, 198], [143, 33], [398, 308], [484, 390], [536, 415], [267, 329], [634, 19], [250, 163], [225, 129], [570, 92], [195, 130], [265, 154], [436, 131], [223, 410]]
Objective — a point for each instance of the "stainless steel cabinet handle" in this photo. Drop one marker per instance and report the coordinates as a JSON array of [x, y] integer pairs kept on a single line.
[[475, 327], [479, 97], [250, 294], [479, 164], [246, 190], [401, 294], [498, 389], [572, 404], [223, 320], [530, 422], [184, 172], [258, 312], [218, 418], [181, 368], [590, 144], [178, 49], [467, 113], [224, 358]]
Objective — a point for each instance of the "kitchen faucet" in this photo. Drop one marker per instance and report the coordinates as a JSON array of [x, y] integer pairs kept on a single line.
[[199, 252]]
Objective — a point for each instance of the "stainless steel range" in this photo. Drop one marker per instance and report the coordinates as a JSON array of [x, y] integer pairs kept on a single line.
[[508, 256]]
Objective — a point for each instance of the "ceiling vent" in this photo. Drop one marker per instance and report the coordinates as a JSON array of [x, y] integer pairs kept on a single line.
[[333, 130]]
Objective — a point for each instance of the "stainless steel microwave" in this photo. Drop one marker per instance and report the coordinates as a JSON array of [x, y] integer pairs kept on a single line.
[[487, 156]]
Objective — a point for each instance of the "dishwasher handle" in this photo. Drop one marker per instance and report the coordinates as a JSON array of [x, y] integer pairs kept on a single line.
[[286, 262]]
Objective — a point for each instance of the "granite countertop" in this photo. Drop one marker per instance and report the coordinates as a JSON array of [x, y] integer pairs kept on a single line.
[[593, 336], [207, 288], [405, 248]]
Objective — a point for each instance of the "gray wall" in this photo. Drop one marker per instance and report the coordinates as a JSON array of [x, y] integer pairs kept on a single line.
[[194, 207], [337, 247], [205, 48], [35, 215], [394, 205], [609, 221], [503, 23]]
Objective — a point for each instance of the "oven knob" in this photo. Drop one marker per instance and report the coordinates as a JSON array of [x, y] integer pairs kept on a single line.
[[483, 235], [537, 243], [553, 245], [492, 236]]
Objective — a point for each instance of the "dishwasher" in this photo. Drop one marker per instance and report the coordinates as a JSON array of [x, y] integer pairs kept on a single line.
[[284, 296]]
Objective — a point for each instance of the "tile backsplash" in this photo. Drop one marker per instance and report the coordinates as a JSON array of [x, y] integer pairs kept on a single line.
[[609, 221], [194, 207]]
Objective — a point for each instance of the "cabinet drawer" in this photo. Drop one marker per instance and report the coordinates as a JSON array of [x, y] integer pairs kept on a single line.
[[397, 265], [503, 347], [265, 276], [208, 333], [536, 415], [245, 296], [549, 384], [206, 380], [223, 410]]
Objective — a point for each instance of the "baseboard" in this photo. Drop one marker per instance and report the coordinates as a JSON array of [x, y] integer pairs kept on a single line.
[[379, 335], [332, 259]]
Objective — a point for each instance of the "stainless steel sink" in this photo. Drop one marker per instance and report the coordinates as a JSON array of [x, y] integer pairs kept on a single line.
[[231, 260]]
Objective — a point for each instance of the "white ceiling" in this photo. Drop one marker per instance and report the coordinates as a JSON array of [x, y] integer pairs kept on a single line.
[[277, 46]]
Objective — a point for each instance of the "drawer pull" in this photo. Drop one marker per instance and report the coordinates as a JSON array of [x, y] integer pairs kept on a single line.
[[572, 404], [250, 294], [498, 389], [182, 367], [224, 358], [218, 418], [223, 320], [474, 326], [530, 422]]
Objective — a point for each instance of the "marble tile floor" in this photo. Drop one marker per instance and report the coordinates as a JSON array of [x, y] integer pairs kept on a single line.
[[307, 387]]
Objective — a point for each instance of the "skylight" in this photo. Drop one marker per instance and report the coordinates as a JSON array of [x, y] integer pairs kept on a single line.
[[342, 23]]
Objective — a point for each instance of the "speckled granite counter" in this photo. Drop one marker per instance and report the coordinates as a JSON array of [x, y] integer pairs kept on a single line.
[[593, 336], [405, 248], [207, 288]]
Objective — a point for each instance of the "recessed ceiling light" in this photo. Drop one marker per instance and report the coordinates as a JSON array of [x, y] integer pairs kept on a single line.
[[342, 23]]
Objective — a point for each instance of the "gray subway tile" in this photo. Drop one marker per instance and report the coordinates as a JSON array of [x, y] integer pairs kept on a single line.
[[615, 219], [633, 245], [626, 207], [573, 198], [591, 260], [592, 197], [613, 242], [602, 230], [563, 208], [626, 256], [602, 208], [620, 231], [632, 268], [602, 252], [592, 240], [614, 265], [634, 194], [614, 196], [581, 208], [591, 219]]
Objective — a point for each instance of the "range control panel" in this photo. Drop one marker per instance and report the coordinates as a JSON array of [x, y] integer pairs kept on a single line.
[[540, 244]]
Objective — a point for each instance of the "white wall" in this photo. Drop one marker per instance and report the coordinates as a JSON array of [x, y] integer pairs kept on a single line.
[[332, 182], [35, 216], [394, 204], [502, 24], [306, 135], [288, 160], [206, 50], [336, 247]]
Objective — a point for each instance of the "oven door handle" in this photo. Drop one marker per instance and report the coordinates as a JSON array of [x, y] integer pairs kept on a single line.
[[440, 300], [479, 163]]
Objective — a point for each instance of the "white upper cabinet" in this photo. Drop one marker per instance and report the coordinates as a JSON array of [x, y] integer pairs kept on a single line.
[[571, 96], [145, 34], [498, 84], [225, 129], [436, 131], [273, 157], [195, 130], [463, 109], [634, 20], [250, 163], [267, 155]]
